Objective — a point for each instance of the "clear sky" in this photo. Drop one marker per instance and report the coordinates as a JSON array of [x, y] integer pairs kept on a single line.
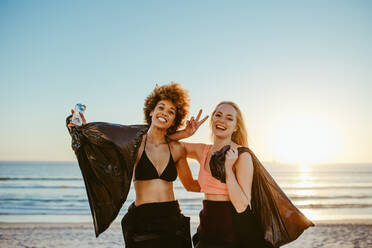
[[299, 70]]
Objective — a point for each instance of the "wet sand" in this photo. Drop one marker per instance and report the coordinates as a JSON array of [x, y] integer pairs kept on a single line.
[[326, 234]]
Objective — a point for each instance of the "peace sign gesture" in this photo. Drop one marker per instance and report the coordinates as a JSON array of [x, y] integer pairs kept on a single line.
[[193, 124]]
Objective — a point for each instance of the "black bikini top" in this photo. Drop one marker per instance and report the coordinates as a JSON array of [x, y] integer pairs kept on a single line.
[[145, 170]]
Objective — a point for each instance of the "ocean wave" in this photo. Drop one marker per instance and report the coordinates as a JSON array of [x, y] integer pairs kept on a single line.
[[329, 187], [40, 187], [41, 200], [41, 209], [345, 205], [84, 209], [43, 213], [315, 197], [191, 200], [40, 179], [188, 201], [290, 174], [288, 187], [181, 188]]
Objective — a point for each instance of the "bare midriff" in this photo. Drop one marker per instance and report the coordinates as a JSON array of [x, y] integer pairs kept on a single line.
[[155, 190], [214, 197]]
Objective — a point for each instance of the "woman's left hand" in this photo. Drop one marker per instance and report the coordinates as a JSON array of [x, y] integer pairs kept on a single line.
[[193, 124], [230, 159]]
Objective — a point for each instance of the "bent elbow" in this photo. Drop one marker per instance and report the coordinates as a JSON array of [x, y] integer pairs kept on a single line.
[[243, 206], [189, 189], [192, 187]]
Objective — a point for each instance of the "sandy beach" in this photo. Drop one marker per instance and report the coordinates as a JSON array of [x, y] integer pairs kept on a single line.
[[326, 234]]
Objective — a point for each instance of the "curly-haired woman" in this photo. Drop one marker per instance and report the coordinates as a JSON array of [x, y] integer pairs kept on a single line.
[[155, 219]]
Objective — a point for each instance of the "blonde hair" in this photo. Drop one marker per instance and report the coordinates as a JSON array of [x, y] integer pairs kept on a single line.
[[240, 136]]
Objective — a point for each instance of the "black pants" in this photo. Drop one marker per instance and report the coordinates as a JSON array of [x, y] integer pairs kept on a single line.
[[156, 225], [222, 227]]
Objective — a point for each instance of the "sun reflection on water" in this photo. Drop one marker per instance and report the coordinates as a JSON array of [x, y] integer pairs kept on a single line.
[[305, 184], [305, 179]]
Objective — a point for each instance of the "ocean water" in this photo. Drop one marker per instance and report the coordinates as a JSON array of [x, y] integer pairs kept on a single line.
[[55, 192]]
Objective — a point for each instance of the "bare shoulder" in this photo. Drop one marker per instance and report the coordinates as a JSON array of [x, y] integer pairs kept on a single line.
[[245, 159], [246, 156], [177, 149], [176, 146]]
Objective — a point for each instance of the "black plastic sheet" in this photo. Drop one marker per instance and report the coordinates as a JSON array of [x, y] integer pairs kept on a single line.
[[280, 220]]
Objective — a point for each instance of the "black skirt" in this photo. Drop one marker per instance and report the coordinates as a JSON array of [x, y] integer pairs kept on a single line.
[[222, 227], [159, 224]]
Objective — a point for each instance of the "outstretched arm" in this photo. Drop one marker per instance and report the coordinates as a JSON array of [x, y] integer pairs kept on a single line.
[[193, 150]]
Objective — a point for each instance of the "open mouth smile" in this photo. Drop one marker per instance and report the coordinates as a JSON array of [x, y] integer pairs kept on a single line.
[[161, 119], [220, 127]]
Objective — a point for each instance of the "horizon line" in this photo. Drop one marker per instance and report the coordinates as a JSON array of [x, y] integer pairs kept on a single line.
[[269, 162]]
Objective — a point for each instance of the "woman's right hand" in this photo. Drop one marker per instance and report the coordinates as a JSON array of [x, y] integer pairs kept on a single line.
[[70, 124], [230, 159]]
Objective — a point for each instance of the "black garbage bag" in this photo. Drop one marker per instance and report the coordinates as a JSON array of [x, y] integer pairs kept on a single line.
[[280, 220], [106, 154]]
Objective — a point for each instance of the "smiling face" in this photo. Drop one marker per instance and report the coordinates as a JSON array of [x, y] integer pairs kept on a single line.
[[163, 115], [169, 95], [224, 121]]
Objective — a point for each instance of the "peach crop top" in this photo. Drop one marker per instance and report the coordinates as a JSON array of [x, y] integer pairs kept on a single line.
[[209, 184]]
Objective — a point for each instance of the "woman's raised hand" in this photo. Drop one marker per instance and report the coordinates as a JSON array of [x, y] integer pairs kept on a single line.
[[230, 159], [70, 124], [193, 124]]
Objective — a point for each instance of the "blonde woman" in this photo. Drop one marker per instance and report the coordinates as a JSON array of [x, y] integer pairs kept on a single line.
[[243, 206]]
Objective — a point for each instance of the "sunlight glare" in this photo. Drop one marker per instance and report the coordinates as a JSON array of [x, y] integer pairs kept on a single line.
[[304, 141]]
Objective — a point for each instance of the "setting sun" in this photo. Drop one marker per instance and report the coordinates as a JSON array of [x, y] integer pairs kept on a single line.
[[304, 141]]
